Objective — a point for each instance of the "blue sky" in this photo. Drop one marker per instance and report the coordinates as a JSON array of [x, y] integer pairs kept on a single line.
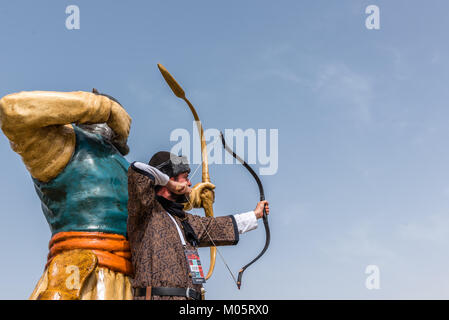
[[363, 173]]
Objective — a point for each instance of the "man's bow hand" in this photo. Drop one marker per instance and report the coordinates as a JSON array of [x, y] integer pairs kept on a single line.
[[259, 209]]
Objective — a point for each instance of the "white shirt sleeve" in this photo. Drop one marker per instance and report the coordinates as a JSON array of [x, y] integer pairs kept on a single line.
[[246, 221], [161, 179]]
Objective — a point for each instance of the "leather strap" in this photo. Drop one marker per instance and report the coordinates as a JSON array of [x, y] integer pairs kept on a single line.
[[148, 293], [165, 291]]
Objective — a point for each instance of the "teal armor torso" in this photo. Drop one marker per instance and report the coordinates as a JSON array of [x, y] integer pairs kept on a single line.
[[91, 193]]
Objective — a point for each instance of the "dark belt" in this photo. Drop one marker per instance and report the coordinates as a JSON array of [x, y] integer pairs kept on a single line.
[[165, 291]]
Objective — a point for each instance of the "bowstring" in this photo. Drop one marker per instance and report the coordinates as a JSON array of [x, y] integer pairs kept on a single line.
[[196, 170], [213, 243]]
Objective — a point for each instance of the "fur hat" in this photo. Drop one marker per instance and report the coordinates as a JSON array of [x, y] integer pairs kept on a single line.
[[169, 163]]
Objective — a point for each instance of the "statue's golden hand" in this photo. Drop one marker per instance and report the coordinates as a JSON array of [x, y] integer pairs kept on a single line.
[[119, 121], [201, 193]]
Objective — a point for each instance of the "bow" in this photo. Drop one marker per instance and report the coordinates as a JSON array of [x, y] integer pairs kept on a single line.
[[208, 195], [262, 198]]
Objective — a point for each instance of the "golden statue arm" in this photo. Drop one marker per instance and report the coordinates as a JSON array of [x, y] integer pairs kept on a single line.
[[37, 109], [37, 124]]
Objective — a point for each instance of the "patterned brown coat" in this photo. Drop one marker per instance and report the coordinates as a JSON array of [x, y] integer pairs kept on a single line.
[[157, 252]]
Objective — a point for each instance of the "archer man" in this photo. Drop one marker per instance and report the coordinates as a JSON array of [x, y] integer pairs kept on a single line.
[[73, 144], [164, 238]]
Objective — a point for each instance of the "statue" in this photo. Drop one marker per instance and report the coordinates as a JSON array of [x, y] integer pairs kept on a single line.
[[73, 144]]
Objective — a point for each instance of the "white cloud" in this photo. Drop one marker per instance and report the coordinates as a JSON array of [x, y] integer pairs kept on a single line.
[[338, 83], [365, 241], [431, 230]]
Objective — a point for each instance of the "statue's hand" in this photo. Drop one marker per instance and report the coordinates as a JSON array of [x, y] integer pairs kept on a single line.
[[120, 122], [201, 193]]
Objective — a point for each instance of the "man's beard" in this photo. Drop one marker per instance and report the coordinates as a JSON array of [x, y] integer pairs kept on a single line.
[[180, 198], [108, 134]]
